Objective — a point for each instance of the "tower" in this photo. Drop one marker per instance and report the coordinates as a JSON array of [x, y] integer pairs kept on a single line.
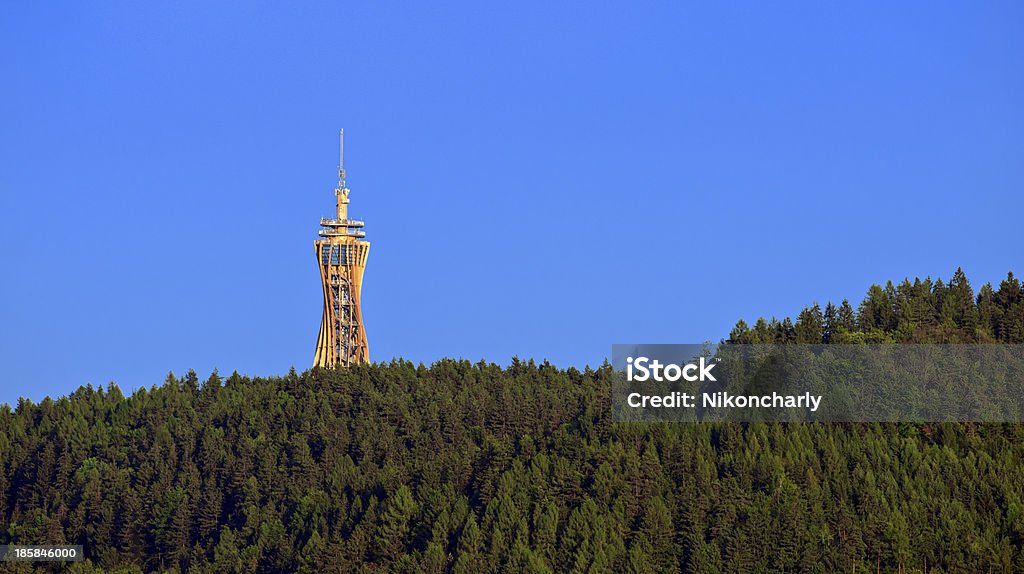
[[341, 254]]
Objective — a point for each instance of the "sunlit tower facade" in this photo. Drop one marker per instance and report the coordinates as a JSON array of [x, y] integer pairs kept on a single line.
[[341, 254]]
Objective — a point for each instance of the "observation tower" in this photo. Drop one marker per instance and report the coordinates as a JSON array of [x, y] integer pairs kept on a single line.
[[341, 254]]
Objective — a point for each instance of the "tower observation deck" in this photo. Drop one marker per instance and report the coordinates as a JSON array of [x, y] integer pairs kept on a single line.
[[341, 254]]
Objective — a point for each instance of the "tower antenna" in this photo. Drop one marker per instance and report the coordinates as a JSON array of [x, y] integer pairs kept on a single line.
[[341, 160]]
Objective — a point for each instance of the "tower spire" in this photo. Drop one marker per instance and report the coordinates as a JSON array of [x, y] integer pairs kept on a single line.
[[341, 160], [342, 190]]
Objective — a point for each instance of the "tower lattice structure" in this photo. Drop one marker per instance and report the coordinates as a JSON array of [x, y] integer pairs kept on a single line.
[[341, 254]]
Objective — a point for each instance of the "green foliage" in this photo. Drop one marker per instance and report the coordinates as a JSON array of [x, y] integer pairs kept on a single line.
[[918, 312]]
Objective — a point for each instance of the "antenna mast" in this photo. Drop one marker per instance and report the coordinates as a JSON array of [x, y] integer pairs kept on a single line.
[[341, 160], [341, 191]]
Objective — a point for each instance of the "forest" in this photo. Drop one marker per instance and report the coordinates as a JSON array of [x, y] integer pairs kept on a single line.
[[462, 467]]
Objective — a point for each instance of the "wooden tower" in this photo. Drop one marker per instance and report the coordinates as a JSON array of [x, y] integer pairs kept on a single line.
[[341, 254]]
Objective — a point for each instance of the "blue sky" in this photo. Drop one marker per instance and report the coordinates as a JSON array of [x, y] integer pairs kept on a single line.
[[538, 179]]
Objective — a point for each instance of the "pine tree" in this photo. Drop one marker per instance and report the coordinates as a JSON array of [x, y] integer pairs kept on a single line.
[[810, 326], [989, 313], [958, 310], [829, 321], [740, 333], [846, 321], [393, 533], [469, 558], [658, 533]]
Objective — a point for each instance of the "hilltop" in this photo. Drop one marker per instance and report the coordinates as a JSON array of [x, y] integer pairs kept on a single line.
[[466, 468]]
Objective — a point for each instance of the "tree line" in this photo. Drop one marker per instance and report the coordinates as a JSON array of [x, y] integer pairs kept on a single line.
[[924, 311]]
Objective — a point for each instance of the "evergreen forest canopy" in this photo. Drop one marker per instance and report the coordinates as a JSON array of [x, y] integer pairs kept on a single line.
[[468, 468]]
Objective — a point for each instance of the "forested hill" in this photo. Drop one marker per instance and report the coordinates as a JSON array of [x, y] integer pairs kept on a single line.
[[471, 468]]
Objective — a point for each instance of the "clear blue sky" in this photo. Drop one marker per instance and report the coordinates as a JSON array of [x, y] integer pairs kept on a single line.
[[538, 179]]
